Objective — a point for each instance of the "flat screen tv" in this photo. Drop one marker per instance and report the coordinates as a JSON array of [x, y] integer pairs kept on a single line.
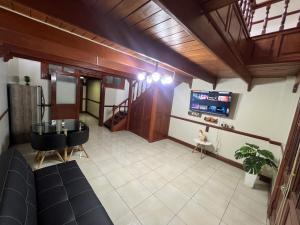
[[211, 102]]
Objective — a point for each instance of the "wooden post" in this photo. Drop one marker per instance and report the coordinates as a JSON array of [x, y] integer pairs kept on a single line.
[[244, 7], [266, 19], [129, 103], [251, 18], [101, 105], [284, 14], [247, 15], [241, 3]]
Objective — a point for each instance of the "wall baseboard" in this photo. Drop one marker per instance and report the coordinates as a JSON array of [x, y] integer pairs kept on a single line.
[[91, 115], [221, 158]]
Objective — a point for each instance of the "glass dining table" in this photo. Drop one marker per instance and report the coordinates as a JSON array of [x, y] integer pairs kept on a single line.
[[48, 136], [58, 127]]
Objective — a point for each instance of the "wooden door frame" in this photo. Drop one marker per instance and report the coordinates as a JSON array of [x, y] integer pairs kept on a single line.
[[102, 103], [291, 145], [53, 93]]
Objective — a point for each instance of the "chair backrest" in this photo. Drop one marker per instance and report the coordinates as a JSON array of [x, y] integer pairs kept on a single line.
[[17, 190], [47, 142], [78, 137]]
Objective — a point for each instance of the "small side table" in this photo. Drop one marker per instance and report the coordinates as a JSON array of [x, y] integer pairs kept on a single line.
[[200, 146]]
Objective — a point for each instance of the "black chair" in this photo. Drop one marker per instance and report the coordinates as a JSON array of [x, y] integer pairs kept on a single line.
[[76, 139], [47, 142]]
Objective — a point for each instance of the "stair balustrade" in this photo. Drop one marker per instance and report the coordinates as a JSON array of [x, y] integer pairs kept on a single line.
[[121, 110], [250, 10]]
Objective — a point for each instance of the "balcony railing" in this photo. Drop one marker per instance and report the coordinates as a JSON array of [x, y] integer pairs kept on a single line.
[[270, 15]]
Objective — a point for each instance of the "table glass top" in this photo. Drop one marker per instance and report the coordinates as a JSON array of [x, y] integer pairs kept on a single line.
[[58, 126]]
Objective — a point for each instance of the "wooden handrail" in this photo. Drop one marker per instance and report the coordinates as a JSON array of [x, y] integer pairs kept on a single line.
[[277, 143]]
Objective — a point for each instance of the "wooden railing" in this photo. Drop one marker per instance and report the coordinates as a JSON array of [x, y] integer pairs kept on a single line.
[[118, 108], [138, 88], [249, 8]]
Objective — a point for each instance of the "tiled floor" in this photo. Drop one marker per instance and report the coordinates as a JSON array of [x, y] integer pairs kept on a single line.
[[164, 183]]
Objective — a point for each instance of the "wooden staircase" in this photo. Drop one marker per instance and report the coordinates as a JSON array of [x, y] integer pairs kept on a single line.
[[119, 119]]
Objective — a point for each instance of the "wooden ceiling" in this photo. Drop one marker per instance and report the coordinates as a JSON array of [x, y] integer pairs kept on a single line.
[[147, 17], [152, 21]]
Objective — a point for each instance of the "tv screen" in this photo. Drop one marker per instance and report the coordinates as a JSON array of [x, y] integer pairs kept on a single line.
[[211, 102]]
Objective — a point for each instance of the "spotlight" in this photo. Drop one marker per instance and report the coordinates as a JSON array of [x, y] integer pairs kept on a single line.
[[149, 79], [141, 76], [167, 79], [155, 76]]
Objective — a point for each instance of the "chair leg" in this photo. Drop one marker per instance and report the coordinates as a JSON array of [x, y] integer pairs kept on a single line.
[[43, 154], [66, 154], [59, 156], [71, 153], [82, 149], [37, 156]]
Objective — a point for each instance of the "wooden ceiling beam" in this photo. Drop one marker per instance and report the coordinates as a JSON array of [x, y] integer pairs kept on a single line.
[[78, 13], [202, 26], [23, 37], [211, 5]]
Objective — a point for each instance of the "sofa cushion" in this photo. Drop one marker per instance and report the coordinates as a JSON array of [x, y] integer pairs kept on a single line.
[[17, 190], [65, 197]]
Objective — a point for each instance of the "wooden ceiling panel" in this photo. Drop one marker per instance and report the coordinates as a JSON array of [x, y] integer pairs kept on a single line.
[[126, 7], [161, 26], [20, 8], [38, 15], [180, 40], [104, 6], [167, 32], [175, 36], [145, 11], [6, 3], [188, 46], [152, 20]]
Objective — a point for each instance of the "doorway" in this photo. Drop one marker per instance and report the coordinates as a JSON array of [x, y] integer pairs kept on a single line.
[[65, 100]]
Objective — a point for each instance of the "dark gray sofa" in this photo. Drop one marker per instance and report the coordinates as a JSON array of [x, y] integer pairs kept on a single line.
[[55, 195]]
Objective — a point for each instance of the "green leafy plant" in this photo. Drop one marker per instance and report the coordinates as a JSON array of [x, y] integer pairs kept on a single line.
[[255, 158]]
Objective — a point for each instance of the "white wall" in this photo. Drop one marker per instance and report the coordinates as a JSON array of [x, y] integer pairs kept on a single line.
[[18, 68], [114, 97], [4, 122], [267, 111]]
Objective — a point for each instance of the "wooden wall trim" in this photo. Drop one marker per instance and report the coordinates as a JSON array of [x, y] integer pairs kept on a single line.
[[88, 99], [3, 114], [277, 143]]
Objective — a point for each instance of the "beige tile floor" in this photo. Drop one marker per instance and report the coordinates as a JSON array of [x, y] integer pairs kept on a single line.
[[164, 183]]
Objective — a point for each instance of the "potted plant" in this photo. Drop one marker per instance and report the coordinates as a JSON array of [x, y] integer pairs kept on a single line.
[[27, 80], [254, 160]]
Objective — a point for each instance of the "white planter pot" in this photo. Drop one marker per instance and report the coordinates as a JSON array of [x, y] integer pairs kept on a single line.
[[250, 179]]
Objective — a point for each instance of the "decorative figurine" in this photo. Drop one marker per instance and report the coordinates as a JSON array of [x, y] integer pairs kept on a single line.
[[202, 136]]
